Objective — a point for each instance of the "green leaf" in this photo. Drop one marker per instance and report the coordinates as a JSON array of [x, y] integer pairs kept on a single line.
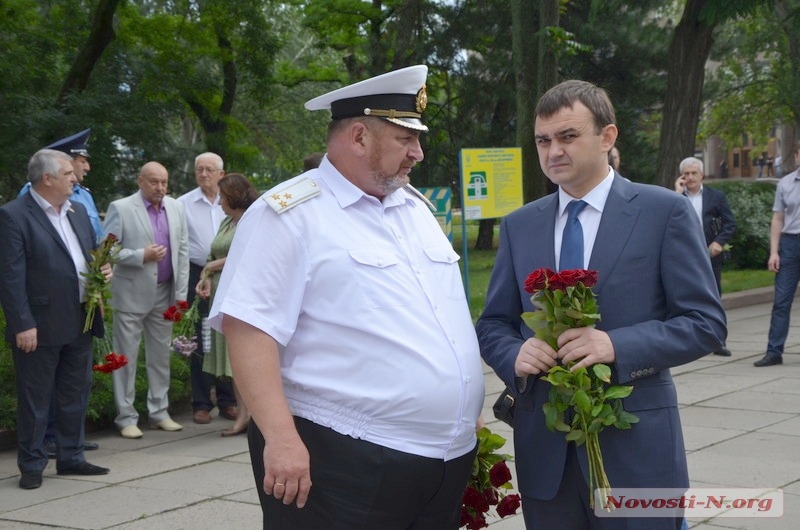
[[628, 417], [618, 392], [550, 415], [574, 436], [561, 426], [582, 400], [602, 372]]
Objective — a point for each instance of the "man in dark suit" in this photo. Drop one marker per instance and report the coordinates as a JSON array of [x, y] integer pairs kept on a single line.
[[659, 309], [47, 241], [715, 215]]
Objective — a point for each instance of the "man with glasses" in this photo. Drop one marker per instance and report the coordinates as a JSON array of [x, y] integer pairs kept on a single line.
[[203, 217]]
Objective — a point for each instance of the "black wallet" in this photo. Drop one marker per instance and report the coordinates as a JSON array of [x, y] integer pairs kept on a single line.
[[503, 408]]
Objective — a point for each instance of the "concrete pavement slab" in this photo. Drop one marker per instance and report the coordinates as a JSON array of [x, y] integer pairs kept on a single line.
[[745, 420], [752, 400], [209, 479], [103, 508], [696, 438], [753, 460], [216, 513]]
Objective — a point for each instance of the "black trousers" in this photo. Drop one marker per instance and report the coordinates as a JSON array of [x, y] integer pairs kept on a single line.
[[61, 375], [358, 485], [570, 509], [203, 381]]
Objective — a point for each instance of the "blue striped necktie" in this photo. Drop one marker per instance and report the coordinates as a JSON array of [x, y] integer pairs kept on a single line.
[[572, 239]]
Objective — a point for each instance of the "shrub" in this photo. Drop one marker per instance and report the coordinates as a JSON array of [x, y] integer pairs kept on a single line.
[[751, 203]]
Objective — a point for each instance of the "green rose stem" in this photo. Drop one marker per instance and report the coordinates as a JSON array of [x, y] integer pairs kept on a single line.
[[565, 300]]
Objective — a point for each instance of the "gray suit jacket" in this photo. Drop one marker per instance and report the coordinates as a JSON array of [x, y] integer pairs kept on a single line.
[[133, 286], [659, 306]]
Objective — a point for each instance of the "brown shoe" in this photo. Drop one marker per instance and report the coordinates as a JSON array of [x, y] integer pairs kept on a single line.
[[201, 416], [229, 413]]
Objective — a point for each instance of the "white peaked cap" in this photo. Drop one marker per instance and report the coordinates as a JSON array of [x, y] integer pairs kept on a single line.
[[398, 96]]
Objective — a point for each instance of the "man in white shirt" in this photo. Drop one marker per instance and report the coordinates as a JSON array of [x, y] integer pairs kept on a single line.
[[342, 303], [203, 217], [46, 241]]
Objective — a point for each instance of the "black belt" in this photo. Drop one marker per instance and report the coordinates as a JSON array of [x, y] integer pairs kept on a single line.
[[789, 235]]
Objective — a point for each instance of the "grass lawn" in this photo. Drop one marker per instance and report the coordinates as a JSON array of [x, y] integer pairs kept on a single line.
[[481, 262]]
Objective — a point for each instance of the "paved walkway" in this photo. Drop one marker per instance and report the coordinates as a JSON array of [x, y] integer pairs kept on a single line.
[[741, 425]]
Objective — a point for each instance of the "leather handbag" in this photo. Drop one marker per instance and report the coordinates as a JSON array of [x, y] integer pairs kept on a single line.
[[503, 408]]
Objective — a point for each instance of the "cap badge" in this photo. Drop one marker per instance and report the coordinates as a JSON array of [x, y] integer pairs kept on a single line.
[[422, 99]]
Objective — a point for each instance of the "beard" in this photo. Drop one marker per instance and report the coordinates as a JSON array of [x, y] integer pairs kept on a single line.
[[386, 183]]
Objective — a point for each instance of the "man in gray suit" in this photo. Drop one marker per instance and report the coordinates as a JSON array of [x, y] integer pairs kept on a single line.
[[46, 243], [151, 273], [658, 300]]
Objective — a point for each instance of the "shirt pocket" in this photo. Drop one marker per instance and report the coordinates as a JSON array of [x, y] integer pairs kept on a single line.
[[444, 261], [383, 279]]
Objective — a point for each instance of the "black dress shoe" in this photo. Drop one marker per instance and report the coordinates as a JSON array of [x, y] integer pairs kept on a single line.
[[30, 481], [90, 446], [723, 352], [84, 468], [769, 360]]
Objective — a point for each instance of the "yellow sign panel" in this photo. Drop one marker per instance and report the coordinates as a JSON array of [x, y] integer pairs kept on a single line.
[[491, 182]]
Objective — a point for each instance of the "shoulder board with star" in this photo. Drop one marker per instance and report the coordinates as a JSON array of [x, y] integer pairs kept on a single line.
[[282, 199]]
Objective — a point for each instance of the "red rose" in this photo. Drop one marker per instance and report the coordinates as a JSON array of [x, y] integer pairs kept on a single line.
[[491, 496], [499, 474], [464, 518], [183, 305], [473, 499], [105, 368], [479, 521], [538, 280], [170, 313], [571, 278], [509, 505], [589, 278]]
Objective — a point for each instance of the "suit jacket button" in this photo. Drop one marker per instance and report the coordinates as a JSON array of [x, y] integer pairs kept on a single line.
[[633, 374]]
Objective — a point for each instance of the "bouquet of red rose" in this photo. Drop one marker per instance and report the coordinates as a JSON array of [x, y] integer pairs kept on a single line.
[[184, 318], [489, 480], [565, 300], [97, 292], [113, 360]]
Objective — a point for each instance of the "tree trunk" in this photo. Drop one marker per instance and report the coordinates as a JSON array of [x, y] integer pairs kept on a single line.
[[100, 36], [485, 239], [688, 52], [783, 12], [524, 22]]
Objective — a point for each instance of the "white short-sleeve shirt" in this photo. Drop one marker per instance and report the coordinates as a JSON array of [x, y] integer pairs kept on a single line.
[[366, 300]]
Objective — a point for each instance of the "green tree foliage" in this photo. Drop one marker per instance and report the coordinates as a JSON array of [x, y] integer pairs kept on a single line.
[[756, 84]]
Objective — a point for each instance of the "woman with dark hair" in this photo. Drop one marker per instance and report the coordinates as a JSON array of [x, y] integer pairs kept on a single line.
[[236, 195]]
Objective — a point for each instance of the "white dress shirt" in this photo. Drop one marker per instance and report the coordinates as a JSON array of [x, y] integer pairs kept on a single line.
[[589, 217], [64, 228], [203, 219], [366, 300]]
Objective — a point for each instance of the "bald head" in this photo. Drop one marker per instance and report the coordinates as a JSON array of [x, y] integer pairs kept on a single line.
[[153, 180]]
